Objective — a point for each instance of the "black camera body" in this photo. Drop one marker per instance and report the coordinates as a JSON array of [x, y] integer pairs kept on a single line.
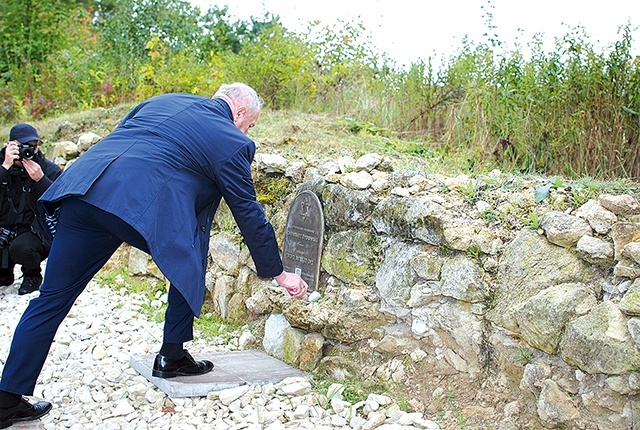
[[6, 236], [26, 151]]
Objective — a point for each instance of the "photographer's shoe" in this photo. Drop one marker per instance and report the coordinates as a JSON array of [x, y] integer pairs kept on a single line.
[[30, 283], [165, 367], [23, 411]]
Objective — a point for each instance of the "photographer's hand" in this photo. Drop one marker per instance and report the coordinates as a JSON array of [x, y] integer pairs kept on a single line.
[[33, 169], [11, 154]]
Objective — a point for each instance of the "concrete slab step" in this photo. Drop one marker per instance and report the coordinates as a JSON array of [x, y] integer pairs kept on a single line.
[[231, 369], [29, 425]]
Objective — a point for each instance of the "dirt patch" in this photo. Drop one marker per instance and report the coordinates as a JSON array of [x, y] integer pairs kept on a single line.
[[458, 401]]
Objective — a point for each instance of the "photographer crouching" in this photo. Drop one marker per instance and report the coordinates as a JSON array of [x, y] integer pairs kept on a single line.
[[24, 177]]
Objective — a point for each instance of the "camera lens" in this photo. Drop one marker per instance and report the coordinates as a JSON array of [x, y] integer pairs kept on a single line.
[[5, 237], [26, 152]]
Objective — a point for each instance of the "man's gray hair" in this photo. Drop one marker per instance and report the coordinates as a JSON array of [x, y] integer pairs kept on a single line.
[[242, 93]]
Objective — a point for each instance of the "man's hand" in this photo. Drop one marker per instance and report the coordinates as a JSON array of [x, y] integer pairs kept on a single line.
[[11, 154], [33, 169], [294, 284]]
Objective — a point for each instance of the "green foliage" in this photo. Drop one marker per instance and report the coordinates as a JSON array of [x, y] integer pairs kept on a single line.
[[543, 191], [273, 189], [524, 356], [490, 215], [571, 112], [126, 26], [31, 30], [352, 390], [470, 192], [532, 221], [180, 72], [77, 78], [474, 252], [550, 113], [364, 127], [120, 277], [277, 63], [211, 326], [218, 34]]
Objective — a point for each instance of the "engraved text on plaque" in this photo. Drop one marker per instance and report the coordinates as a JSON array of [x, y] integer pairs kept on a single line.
[[303, 236]]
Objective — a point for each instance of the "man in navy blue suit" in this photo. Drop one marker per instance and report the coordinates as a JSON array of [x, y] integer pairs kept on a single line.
[[155, 182]]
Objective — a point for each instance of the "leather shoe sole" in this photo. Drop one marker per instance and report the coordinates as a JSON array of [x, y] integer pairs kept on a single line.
[[30, 283], [23, 411], [165, 367], [22, 290]]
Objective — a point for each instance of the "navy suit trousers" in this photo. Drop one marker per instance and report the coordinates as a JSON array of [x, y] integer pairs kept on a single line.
[[85, 240]]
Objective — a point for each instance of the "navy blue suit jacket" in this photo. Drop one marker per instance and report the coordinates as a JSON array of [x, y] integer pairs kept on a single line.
[[164, 170]]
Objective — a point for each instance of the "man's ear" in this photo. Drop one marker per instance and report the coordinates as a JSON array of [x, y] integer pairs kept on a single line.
[[242, 110]]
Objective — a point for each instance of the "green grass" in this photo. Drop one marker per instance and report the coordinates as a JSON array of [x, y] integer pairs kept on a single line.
[[154, 307], [355, 390], [300, 135], [211, 326]]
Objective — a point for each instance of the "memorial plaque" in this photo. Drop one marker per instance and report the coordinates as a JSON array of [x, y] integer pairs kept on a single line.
[[303, 236]]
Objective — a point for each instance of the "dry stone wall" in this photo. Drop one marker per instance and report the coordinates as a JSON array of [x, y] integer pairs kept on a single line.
[[425, 276], [446, 274]]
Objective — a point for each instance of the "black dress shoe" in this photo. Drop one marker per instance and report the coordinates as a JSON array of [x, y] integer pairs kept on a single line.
[[165, 367], [23, 411], [30, 283]]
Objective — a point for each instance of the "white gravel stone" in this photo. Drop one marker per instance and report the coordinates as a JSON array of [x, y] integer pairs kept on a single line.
[[88, 379], [296, 388], [231, 394]]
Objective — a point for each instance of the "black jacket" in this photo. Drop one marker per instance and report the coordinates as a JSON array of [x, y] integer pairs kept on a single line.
[[19, 193]]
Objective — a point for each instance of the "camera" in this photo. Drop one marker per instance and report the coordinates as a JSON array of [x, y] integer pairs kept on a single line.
[[26, 151], [6, 236]]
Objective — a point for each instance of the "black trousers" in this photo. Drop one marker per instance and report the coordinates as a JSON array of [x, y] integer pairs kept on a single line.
[[25, 249]]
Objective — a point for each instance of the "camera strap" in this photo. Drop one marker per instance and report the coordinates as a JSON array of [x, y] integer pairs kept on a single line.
[[22, 196], [4, 254], [21, 204], [4, 258]]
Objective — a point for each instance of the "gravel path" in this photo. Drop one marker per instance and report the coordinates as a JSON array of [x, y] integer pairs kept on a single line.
[[88, 379]]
